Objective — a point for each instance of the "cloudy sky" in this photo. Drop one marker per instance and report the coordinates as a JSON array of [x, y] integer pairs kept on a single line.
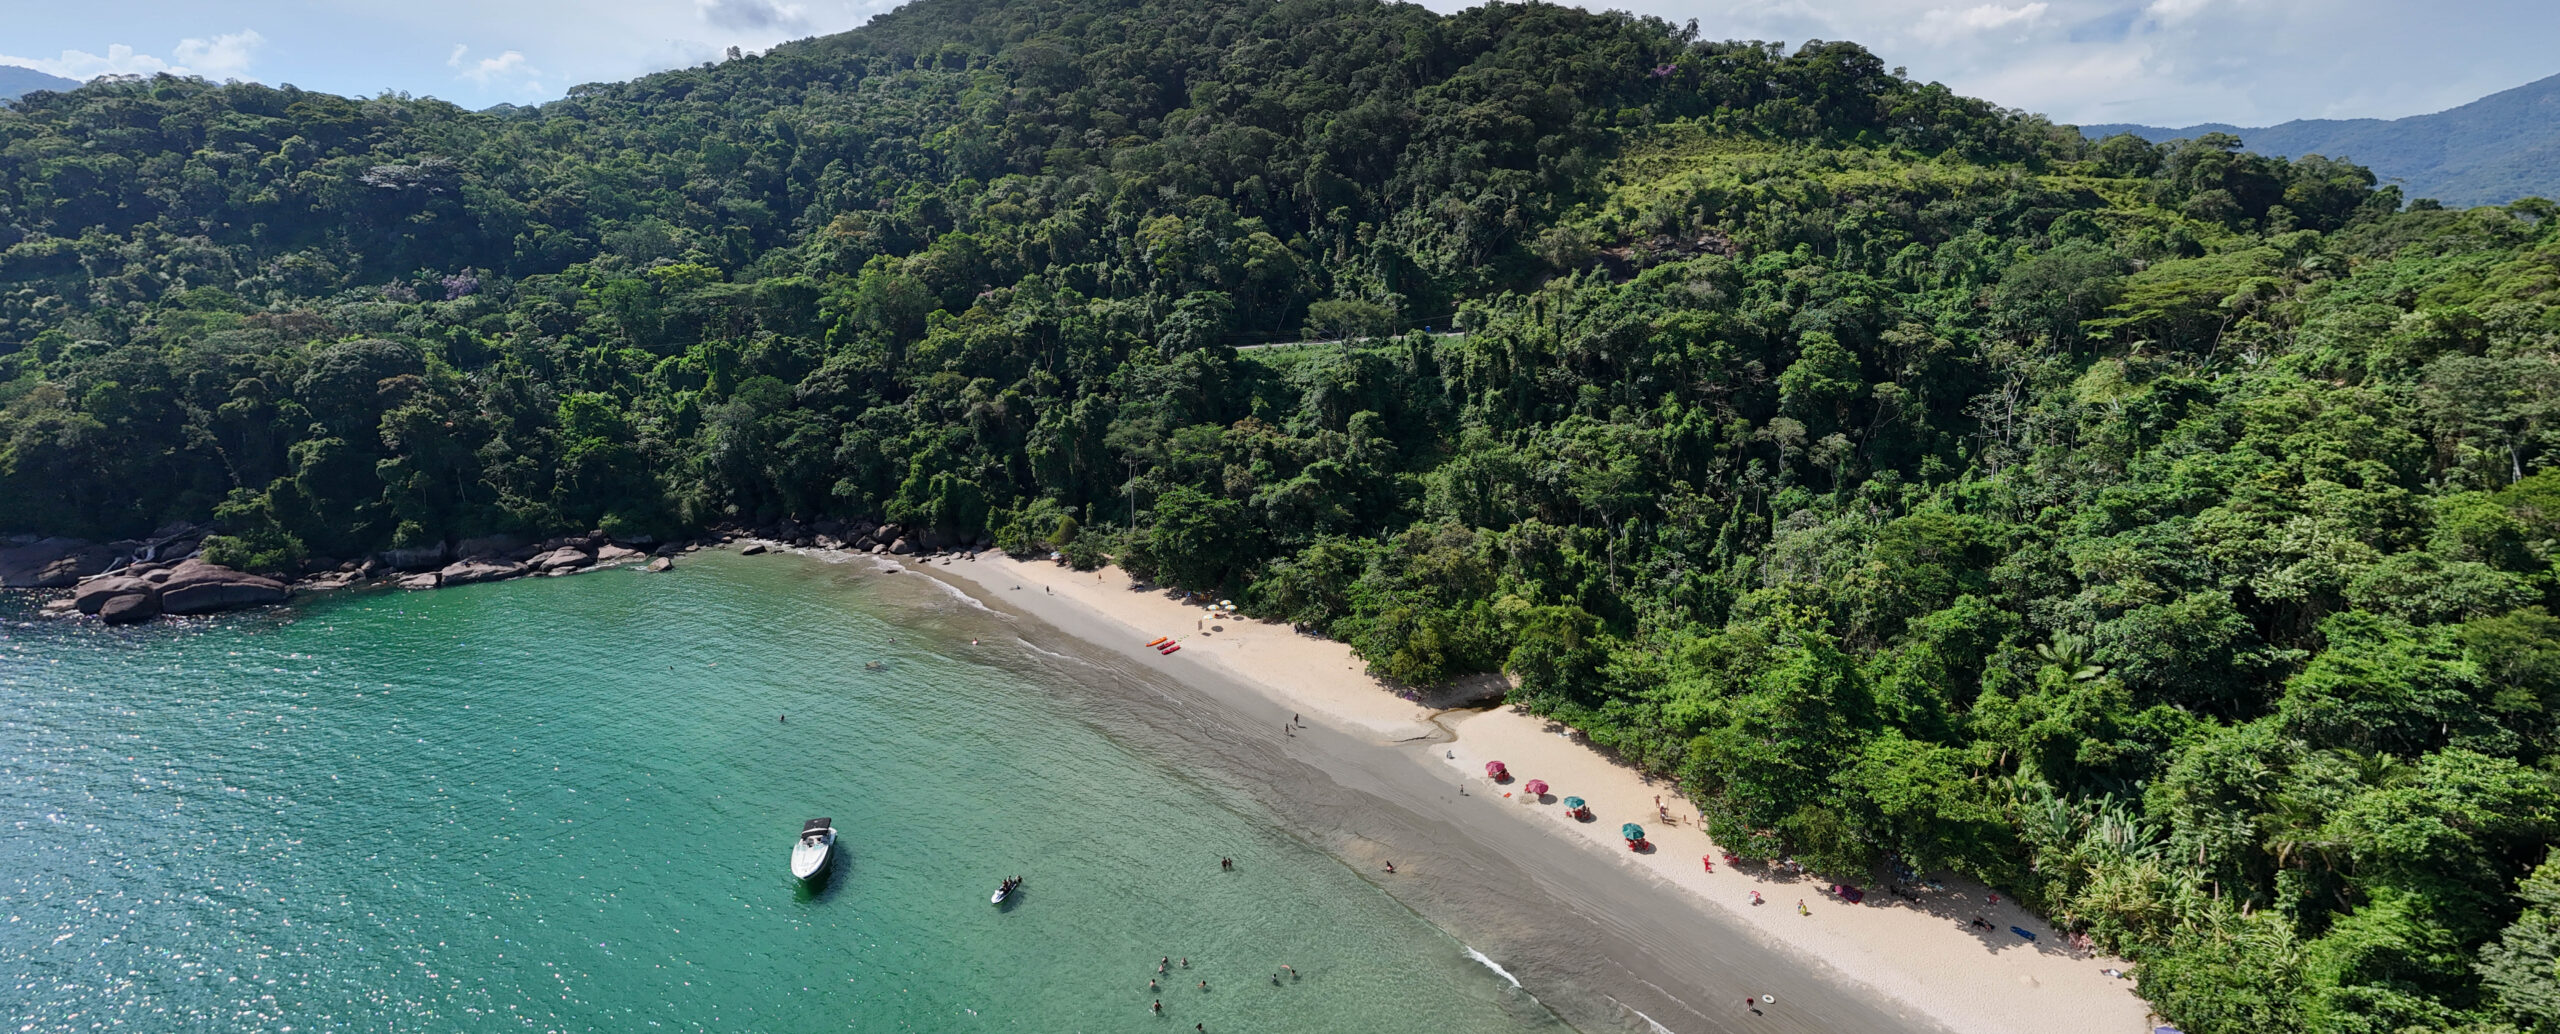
[[2165, 62]]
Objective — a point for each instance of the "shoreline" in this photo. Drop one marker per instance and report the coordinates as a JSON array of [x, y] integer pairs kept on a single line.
[[1913, 957]]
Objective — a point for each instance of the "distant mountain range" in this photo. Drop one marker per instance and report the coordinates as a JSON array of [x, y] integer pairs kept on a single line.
[[16, 82], [2491, 151]]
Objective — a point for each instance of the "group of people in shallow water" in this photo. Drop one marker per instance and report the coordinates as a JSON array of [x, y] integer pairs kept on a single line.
[[1169, 963]]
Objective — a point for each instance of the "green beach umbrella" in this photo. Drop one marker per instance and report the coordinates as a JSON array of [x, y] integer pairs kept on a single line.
[[1632, 831], [1573, 804]]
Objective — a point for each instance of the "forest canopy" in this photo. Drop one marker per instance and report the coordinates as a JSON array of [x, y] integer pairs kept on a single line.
[[2163, 532]]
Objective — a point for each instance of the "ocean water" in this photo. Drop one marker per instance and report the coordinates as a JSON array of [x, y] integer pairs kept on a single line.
[[567, 805]]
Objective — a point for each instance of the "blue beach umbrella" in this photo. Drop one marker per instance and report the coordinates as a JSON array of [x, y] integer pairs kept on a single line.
[[1632, 831], [1573, 804]]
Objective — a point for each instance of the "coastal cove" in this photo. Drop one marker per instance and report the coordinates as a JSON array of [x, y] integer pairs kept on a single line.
[[566, 804]]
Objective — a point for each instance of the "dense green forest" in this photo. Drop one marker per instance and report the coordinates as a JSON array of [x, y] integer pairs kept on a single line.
[[2163, 533]]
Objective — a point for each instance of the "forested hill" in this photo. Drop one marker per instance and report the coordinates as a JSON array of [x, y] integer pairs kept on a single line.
[[2165, 534], [2491, 151], [16, 81]]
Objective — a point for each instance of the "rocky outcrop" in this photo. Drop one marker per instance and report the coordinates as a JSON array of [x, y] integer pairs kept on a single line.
[[422, 580], [196, 587], [53, 563], [142, 591], [130, 609], [482, 569], [562, 559], [902, 547], [93, 594], [752, 549], [664, 563], [611, 554]]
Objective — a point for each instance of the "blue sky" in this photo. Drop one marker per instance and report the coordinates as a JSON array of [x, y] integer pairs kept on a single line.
[[2170, 62]]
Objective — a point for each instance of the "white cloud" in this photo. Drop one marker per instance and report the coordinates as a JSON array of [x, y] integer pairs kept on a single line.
[[752, 15], [1947, 24], [509, 70], [2171, 12], [226, 56]]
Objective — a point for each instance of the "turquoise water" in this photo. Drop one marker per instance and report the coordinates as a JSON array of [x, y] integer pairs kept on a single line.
[[567, 805]]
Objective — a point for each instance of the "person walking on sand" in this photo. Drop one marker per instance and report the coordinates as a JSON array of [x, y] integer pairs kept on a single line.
[[1391, 866], [1801, 910]]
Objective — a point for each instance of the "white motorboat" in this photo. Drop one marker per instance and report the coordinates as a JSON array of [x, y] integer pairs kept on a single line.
[[1004, 891], [817, 845]]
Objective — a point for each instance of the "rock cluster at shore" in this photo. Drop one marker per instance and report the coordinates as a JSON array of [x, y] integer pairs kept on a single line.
[[145, 590], [861, 535], [30, 562], [139, 579], [498, 557]]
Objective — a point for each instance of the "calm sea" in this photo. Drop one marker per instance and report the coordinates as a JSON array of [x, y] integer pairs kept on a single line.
[[567, 805]]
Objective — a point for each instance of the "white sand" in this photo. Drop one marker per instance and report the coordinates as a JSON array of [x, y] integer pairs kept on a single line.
[[1920, 954]]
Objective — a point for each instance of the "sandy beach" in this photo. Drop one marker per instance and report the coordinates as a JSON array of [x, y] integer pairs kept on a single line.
[[1916, 959]]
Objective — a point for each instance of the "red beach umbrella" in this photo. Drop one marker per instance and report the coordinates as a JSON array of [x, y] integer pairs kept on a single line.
[[1496, 770], [1536, 786]]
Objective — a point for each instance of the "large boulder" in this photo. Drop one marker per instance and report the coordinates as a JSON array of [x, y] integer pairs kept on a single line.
[[196, 587], [560, 559], [902, 547], [466, 572], [53, 563], [423, 580], [130, 608], [93, 594], [664, 563], [616, 554]]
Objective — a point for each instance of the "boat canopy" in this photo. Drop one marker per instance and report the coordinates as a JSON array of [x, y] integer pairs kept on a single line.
[[1631, 831], [818, 826]]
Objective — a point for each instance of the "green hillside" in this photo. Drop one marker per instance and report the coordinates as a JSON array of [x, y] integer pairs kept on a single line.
[[16, 82], [2494, 150], [2164, 534]]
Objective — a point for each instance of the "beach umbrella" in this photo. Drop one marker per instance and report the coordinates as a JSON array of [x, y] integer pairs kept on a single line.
[[1573, 804], [1536, 786], [1631, 831]]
